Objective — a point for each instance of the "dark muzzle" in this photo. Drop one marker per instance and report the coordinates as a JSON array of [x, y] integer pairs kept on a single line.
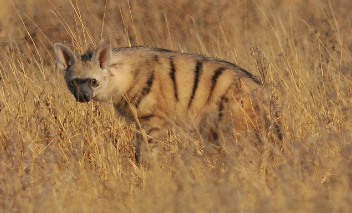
[[83, 94]]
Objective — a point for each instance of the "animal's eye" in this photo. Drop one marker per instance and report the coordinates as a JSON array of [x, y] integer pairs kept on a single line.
[[72, 83], [94, 82]]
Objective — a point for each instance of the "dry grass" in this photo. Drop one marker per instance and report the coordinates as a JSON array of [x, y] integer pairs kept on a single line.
[[57, 155]]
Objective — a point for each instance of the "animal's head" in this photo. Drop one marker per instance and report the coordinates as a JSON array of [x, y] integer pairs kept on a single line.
[[87, 75]]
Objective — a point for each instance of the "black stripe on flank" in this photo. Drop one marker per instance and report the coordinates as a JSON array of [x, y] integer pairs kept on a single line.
[[214, 79], [134, 82], [146, 89], [223, 101], [197, 72], [172, 76]]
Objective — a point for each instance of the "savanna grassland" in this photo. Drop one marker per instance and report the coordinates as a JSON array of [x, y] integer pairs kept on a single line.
[[58, 155]]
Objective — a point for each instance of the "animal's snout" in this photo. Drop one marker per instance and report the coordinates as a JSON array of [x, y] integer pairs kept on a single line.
[[83, 98], [83, 95]]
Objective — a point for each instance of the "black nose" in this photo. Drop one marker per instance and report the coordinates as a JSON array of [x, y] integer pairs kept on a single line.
[[84, 96]]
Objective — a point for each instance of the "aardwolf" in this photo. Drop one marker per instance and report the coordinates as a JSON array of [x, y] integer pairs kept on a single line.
[[159, 89]]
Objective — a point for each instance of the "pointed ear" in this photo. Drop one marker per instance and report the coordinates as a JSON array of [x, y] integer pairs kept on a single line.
[[64, 56], [102, 54]]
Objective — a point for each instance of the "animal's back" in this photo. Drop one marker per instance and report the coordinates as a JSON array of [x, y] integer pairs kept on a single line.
[[189, 89]]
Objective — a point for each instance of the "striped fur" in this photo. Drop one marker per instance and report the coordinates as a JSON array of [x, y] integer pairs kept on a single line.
[[167, 88]]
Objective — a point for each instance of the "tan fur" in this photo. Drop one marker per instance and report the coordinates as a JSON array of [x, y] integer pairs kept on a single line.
[[167, 88]]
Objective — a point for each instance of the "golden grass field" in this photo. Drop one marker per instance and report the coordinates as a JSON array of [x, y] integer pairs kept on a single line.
[[58, 155]]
